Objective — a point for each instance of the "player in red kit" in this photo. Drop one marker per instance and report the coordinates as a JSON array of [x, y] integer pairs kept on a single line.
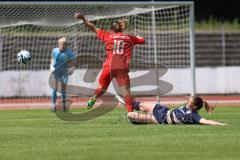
[[118, 47]]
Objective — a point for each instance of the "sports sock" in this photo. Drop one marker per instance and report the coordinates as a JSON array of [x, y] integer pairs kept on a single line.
[[99, 91], [64, 99], [54, 97], [128, 101], [136, 106]]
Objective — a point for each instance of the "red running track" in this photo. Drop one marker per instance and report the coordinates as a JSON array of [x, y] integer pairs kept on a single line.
[[40, 103]]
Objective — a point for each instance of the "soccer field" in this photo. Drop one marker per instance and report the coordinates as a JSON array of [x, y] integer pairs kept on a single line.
[[39, 134]]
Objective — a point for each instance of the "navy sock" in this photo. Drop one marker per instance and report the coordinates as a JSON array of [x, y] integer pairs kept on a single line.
[[54, 97], [136, 106]]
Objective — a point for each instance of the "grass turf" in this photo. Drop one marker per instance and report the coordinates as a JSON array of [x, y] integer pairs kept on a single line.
[[39, 134]]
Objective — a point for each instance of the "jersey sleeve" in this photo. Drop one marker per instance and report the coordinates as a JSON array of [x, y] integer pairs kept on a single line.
[[137, 39], [52, 68], [196, 117], [53, 54], [102, 34]]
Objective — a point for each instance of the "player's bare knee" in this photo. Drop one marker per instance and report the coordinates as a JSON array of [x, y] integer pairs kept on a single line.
[[141, 107]]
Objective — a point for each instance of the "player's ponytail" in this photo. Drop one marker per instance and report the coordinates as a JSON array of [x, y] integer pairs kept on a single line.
[[207, 107], [198, 103]]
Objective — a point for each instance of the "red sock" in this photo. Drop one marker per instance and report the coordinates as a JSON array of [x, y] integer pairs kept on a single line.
[[128, 101], [98, 92]]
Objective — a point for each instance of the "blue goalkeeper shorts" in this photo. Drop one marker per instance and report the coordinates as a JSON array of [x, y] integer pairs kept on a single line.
[[61, 78]]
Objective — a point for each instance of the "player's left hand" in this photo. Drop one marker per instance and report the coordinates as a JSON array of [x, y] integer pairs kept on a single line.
[[78, 15]]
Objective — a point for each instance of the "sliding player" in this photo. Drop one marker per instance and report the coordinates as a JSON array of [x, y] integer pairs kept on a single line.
[[118, 48], [186, 114], [61, 58]]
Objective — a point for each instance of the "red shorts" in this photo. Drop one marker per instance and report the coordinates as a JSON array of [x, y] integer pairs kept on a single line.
[[121, 76]]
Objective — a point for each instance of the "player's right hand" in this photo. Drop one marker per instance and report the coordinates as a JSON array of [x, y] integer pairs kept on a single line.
[[77, 15]]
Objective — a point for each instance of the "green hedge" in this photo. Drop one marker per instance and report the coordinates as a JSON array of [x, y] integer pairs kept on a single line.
[[216, 25]]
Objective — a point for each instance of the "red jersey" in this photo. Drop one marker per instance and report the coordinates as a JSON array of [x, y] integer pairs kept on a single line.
[[118, 47]]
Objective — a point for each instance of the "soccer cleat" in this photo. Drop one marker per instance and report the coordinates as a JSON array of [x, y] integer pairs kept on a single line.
[[53, 109], [91, 102]]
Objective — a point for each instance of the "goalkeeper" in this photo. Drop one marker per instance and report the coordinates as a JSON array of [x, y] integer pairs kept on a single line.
[[118, 48], [62, 57]]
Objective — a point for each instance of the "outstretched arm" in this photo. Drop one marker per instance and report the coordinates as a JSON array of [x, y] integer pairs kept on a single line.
[[210, 122], [137, 39], [90, 25]]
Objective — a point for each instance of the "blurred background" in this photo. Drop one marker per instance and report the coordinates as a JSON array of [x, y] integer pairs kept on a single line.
[[217, 26]]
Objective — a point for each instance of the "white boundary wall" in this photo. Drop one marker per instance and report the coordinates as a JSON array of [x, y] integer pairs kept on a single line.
[[220, 80], [216, 80]]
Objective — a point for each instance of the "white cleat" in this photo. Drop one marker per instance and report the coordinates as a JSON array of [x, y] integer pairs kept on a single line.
[[120, 99]]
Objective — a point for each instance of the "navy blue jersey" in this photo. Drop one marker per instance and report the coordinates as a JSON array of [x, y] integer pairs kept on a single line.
[[180, 115], [183, 115]]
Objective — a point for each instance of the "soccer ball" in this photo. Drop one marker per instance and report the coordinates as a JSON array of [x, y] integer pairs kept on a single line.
[[24, 56]]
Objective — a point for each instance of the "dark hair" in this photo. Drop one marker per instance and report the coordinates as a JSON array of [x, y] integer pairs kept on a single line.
[[114, 25], [198, 103]]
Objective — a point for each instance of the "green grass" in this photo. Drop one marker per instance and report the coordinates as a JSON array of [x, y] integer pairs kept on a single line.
[[39, 134]]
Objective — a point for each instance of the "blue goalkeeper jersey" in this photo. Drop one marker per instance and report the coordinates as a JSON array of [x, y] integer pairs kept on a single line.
[[61, 60]]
